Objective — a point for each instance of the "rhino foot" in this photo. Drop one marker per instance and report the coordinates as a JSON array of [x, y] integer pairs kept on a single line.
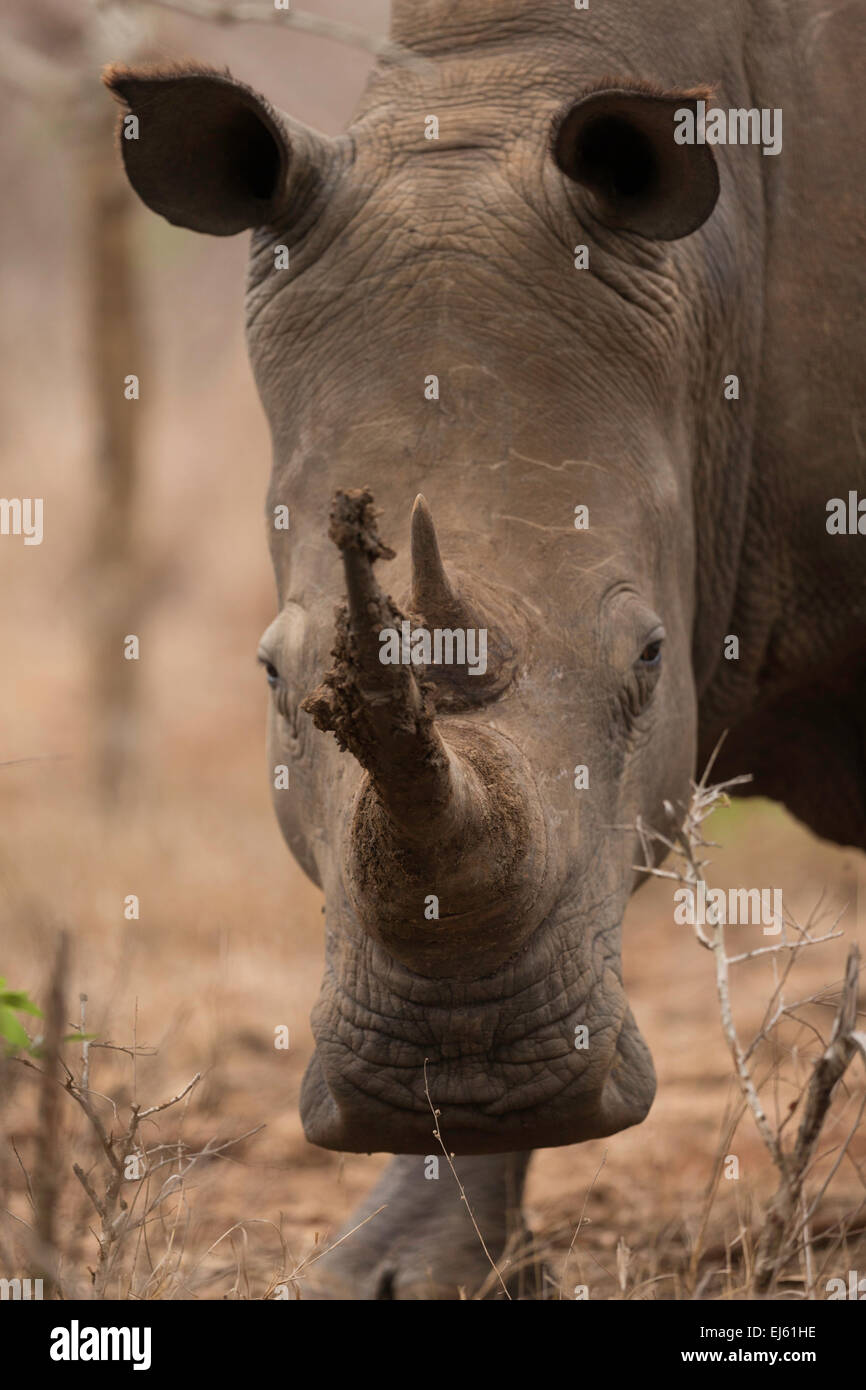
[[423, 1245]]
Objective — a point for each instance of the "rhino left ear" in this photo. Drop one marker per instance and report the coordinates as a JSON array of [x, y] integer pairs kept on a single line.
[[619, 143], [206, 151]]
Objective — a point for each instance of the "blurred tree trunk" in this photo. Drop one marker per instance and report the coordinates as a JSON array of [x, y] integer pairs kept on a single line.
[[47, 1165], [66, 82], [114, 350]]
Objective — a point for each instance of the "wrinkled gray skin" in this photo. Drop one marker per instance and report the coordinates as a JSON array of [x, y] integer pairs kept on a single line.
[[558, 387]]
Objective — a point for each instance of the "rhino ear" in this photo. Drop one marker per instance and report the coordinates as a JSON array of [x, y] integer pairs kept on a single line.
[[619, 143], [206, 152]]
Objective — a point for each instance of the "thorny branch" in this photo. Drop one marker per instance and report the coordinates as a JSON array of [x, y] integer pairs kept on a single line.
[[782, 1228], [117, 1217]]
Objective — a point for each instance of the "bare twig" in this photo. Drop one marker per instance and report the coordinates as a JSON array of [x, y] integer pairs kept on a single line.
[[579, 1225], [828, 1071], [782, 1229], [27, 1182], [302, 21], [437, 1134], [155, 1109]]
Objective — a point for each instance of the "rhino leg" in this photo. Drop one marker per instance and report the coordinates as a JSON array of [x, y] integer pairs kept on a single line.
[[423, 1245]]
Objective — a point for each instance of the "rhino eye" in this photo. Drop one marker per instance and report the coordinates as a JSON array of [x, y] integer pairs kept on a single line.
[[271, 672], [651, 656]]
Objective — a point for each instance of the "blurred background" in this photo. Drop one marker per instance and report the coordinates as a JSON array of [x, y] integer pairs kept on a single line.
[[148, 777]]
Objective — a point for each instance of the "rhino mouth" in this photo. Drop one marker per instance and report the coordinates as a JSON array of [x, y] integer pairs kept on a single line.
[[500, 1079]]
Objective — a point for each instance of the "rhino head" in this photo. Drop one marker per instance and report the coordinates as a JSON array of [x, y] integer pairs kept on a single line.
[[509, 319]]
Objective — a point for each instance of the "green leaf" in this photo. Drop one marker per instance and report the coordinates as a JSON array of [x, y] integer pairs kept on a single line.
[[11, 1030], [79, 1037], [17, 999]]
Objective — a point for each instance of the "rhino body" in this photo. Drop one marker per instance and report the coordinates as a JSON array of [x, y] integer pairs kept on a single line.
[[626, 375]]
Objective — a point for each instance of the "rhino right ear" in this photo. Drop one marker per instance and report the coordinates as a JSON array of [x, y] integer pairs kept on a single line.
[[620, 144], [206, 151]]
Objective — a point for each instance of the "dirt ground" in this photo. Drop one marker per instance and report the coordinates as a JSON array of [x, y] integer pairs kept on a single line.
[[228, 945]]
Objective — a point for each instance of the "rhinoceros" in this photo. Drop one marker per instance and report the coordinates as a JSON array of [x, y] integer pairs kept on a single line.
[[562, 356]]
